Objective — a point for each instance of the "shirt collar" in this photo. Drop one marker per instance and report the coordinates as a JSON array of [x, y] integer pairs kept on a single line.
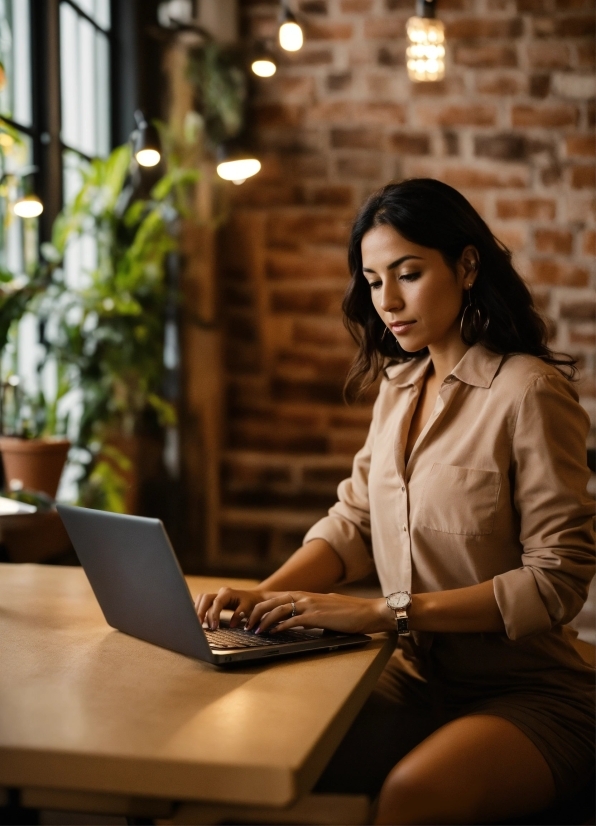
[[477, 367]]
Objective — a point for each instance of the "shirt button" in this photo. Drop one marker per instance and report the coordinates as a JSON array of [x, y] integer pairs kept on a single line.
[[405, 528], [403, 490], [448, 380]]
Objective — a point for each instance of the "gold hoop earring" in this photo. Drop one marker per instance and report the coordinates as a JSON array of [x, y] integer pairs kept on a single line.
[[472, 325]]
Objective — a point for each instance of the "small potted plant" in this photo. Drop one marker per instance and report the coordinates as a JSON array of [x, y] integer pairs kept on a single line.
[[33, 443]]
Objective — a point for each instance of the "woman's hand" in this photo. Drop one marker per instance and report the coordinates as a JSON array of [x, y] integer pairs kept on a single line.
[[335, 612], [210, 606]]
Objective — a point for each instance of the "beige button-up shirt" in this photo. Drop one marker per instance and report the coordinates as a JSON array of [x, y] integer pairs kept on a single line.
[[495, 488]]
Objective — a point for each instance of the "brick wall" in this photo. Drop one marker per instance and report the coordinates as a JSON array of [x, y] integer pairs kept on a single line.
[[511, 126]]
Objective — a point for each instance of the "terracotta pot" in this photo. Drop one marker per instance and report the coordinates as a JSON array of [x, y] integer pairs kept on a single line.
[[34, 463]]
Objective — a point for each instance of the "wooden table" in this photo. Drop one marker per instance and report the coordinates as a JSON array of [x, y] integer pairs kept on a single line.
[[130, 727]]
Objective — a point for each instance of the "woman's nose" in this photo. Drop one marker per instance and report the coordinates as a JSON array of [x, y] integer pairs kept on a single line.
[[391, 298]]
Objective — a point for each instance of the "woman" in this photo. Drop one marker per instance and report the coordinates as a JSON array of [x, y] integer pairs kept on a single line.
[[470, 496]]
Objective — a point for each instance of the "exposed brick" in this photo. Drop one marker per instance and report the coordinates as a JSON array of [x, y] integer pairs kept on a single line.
[[457, 115], [584, 338], [540, 85], [356, 6], [385, 27], [357, 165], [485, 56], [454, 84], [514, 238], [308, 56], [580, 87], [549, 56], [479, 27], [563, 114], [341, 112], [586, 55], [321, 333], [339, 81], [583, 177], [562, 274], [451, 142], [356, 138], [533, 5], [501, 84], [505, 147], [576, 26], [309, 302], [529, 208], [578, 310], [276, 114], [553, 240], [289, 88], [470, 178], [332, 195], [327, 31], [290, 229], [306, 264], [580, 145], [589, 242], [313, 6], [410, 144], [391, 56]]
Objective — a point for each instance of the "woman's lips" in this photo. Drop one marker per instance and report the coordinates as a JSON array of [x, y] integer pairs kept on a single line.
[[401, 327]]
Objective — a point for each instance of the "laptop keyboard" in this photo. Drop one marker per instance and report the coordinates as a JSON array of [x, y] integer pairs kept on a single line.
[[238, 638]]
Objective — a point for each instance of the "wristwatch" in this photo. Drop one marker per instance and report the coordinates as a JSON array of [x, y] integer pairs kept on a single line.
[[399, 602]]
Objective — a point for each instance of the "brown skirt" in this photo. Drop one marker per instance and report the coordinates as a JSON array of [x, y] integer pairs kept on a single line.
[[416, 695]]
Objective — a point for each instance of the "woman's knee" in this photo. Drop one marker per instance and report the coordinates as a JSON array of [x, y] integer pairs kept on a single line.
[[411, 795]]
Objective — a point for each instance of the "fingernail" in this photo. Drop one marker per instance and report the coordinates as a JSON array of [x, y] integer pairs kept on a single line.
[[258, 630]]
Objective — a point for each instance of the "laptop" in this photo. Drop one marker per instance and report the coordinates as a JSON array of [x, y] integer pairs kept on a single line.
[[141, 590]]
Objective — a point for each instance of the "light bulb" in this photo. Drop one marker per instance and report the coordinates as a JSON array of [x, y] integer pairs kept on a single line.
[[148, 157], [290, 36], [263, 67], [425, 56], [238, 171], [28, 207]]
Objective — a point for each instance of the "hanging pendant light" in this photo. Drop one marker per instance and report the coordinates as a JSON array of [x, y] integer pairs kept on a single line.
[[263, 63], [425, 55], [28, 206], [291, 37], [235, 163], [146, 143]]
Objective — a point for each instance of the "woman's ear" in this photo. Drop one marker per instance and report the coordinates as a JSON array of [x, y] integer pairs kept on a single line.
[[467, 266]]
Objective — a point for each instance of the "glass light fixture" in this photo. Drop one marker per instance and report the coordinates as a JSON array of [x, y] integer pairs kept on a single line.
[[291, 37], [146, 144], [263, 62], [28, 206], [239, 170], [235, 163], [425, 55]]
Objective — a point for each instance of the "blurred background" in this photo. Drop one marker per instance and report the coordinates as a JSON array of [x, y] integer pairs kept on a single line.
[[178, 182]]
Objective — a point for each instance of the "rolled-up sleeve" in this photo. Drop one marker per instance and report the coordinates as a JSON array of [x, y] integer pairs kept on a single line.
[[347, 527], [550, 476]]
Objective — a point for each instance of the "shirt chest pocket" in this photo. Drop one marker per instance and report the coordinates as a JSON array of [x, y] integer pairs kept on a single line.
[[460, 500]]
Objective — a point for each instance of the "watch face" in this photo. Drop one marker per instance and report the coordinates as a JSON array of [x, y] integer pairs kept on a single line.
[[399, 600]]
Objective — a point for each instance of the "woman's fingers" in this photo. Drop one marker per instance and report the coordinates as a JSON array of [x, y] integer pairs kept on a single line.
[[225, 598], [202, 604], [268, 605], [271, 618]]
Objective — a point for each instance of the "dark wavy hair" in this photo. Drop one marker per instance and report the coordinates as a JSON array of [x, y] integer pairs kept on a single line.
[[432, 214]]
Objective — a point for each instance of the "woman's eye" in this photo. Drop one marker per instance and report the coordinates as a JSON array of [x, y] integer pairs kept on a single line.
[[409, 276], [374, 285]]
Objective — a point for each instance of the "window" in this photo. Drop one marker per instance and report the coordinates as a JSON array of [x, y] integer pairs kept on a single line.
[[85, 76]]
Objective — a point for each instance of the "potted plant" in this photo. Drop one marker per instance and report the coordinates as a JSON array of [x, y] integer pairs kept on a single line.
[[105, 329], [32, 440]]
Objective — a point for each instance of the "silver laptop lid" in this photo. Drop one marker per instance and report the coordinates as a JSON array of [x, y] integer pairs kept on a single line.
[[136, 578]]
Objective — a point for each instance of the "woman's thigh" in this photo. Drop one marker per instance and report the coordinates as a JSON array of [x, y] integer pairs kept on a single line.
[[477, 769]]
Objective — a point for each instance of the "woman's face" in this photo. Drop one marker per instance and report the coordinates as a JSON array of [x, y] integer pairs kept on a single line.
[[416, 294]]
